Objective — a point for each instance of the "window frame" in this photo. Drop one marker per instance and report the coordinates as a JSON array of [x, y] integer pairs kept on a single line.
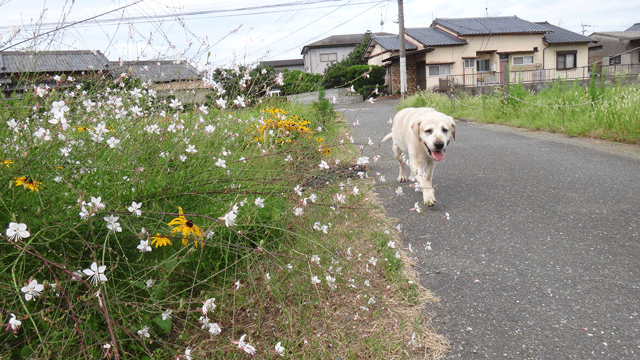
[[487, 62], [440, 67], [522, 58], [335, 57], [563, 54], [472, 61], [615, 60]]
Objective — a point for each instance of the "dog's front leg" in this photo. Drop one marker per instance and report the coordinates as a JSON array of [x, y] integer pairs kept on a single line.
[[423, 172]]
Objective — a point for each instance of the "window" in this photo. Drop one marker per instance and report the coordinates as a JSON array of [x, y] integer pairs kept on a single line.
[[523, 60], [615, 60], [483, 65], [439, 70], [469, 63], [566, 60], [332, 57]]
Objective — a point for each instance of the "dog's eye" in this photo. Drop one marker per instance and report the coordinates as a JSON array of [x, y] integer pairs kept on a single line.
[[445, 130], [428, 131]]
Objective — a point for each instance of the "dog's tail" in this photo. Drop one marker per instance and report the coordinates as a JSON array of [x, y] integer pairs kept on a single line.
[[389, 136]]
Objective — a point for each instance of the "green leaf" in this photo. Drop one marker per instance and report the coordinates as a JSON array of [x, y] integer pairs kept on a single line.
[[165, 325]]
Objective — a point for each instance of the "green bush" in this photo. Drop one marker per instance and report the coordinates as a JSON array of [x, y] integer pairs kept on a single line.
[[365, 78], [296, 82]]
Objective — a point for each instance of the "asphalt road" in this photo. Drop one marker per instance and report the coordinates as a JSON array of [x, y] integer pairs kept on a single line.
[[534, 245]]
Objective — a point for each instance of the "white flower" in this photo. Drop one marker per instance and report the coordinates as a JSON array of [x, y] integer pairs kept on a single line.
[[245, 346], [399, 191], [84, 214], [144, 332], [14, 323], [446, 215], [144, 246], [32, 290], [331, 281], [230, 217], [356, 191], [187, 353], [267, 276], [134, 208], [17, 231], [315, 280], [298, 211], [279, 348], [298, 190], [112, 223], [372, 300], [373, 261], [397, 255], [166, 315], [363, 160], [221, 163], [150, 283], [175, 103], [315, 259], [97, 203], [239, 101], [367, 283], [259, 202], [288, 158], [391, 244], [96, 273], [214, 329], [208, 305], [221, 103], [324, 165], [191, 149], [113, 142]]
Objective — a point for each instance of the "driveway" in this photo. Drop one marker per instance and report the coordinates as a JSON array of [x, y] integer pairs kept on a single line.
[[534, 245]]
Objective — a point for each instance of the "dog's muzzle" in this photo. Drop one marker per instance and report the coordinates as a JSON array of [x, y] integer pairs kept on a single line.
[[436, 154]]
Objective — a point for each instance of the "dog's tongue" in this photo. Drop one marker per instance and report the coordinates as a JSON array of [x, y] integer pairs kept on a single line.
[[437, 155]]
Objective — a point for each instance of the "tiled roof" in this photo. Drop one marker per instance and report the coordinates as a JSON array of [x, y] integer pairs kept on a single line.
[[52, 61], [392, 42], [160, 71], [634, 27], [286, 62], [338, 41], [490, 25], [432, 36], [563, 36]]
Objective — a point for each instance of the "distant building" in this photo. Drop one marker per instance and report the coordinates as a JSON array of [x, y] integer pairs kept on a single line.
[[322, 53], [279, 65], [617, 49], [21, 70]]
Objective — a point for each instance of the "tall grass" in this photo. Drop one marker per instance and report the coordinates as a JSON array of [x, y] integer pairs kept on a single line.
[[608, 111]]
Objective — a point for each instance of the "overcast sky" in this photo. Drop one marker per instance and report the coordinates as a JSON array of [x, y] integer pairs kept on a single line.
[[247, 31]]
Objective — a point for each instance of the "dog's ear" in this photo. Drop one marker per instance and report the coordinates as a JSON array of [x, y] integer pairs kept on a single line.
[[453, 128], [415, 127]]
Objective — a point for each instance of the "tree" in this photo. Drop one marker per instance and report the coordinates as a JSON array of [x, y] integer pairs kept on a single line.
[[336, 74]]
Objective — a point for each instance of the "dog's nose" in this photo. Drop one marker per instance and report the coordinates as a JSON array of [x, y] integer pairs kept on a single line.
[[439, 145]]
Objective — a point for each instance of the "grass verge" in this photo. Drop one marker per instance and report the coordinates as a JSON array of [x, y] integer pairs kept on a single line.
[[605, 111], [139, 227]]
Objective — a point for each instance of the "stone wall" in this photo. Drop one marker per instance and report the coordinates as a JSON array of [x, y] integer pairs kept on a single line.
[[412, 86]]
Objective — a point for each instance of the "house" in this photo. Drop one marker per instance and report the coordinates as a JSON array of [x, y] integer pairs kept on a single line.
[[21, 70], [322, 53], [618, 49], [471, 52], [279, 65], [160, 72]]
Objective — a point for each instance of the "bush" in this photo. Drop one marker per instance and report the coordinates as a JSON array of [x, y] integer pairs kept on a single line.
[[296, 82], [365, 78]]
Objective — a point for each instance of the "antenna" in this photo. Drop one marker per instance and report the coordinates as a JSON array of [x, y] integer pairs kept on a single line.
[[486, 8], [381, 18], [584, 26]]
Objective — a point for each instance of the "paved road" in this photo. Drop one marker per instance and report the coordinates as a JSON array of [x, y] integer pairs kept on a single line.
[[539, 257]]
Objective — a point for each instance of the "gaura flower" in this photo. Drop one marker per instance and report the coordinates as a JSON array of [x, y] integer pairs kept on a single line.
[[17, 231], [96, 273], [184, 227], [28, 183], [160, 240], [32, 290]]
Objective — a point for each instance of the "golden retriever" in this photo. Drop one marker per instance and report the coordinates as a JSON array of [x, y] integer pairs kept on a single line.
[[423, 135]]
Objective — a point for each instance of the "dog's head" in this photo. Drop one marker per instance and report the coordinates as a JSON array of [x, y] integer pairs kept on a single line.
[[435, 131]]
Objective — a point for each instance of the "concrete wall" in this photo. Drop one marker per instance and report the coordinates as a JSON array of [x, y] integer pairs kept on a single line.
[[343, 96]]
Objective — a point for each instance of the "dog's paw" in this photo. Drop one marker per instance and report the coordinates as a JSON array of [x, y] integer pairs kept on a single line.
[[429, 197], [402, 179]]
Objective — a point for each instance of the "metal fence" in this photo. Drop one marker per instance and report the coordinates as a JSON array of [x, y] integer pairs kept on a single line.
[[479, 79]]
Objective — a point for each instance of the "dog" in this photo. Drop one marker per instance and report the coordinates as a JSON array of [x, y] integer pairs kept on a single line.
[[423, 135]]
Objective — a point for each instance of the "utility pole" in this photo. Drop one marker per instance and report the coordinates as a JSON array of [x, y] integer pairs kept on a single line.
[[403, 55]]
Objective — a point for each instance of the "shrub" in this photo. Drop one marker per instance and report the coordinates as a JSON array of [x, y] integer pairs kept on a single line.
[[296, 82], [365, 78]]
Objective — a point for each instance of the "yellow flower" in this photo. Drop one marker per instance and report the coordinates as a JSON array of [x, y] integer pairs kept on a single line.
[[185, 227], [27, 183], [6, 162], [160, 240]]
